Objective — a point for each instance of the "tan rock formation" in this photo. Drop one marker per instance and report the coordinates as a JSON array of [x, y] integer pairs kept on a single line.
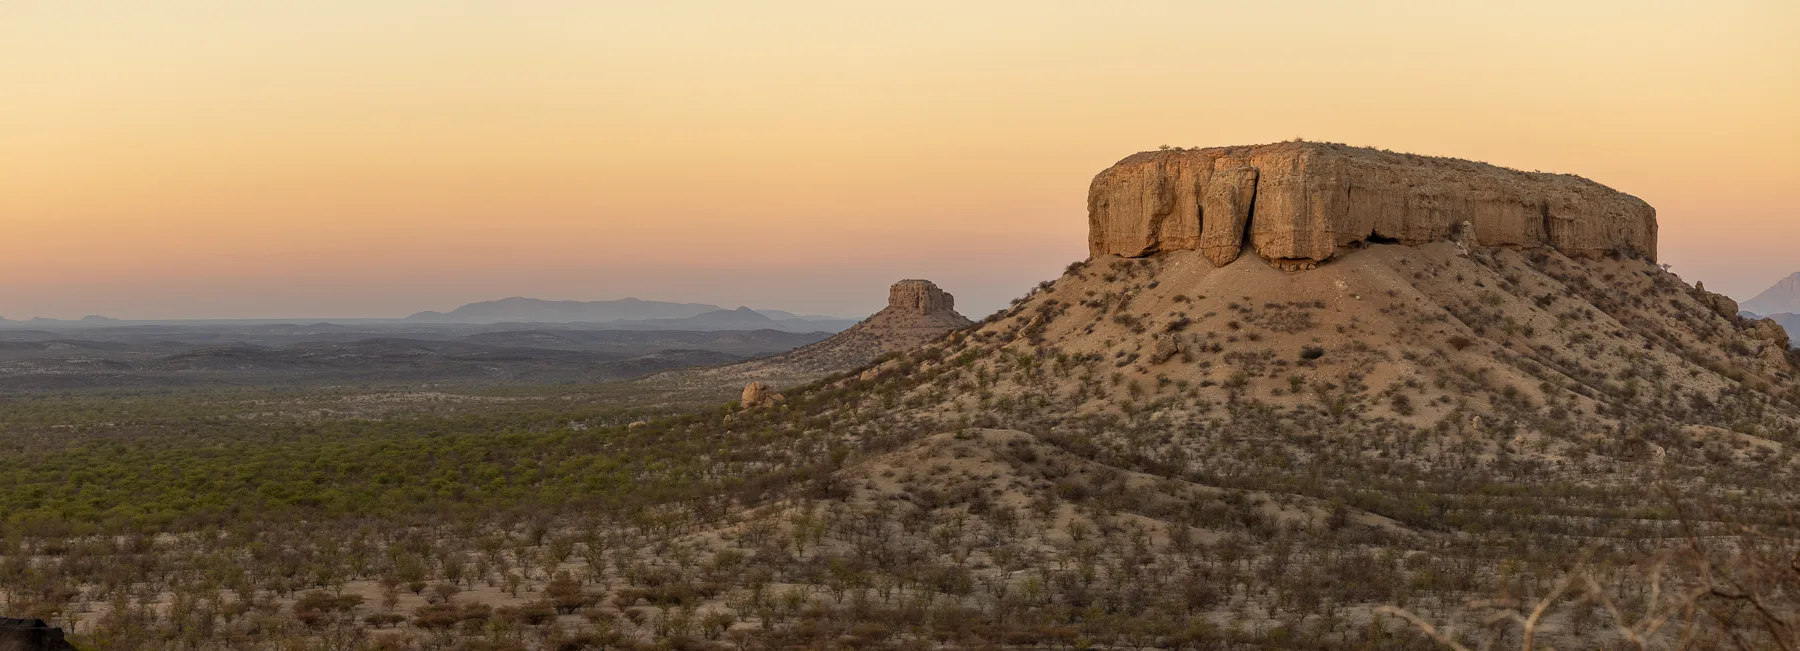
[[758, 395], [917, 313], [919, 297], [1770, 331], [1298, 203], [1774, 343], [1167, 347], [1720, 303]]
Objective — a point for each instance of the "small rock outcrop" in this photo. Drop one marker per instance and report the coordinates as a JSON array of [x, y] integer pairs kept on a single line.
[[1720, 303], [1770, 331], [1167, 347], [31, 635], [758, 395], [1296, 204], [1773, 342]]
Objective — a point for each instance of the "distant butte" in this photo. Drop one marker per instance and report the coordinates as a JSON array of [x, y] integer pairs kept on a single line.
[[917, 313]]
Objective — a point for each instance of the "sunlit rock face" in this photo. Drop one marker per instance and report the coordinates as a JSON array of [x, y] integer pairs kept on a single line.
[[1296, 204]]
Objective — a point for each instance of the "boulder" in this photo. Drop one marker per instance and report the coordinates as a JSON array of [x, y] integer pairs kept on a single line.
[[1296, 204], [1770, 331], [758, 395], [1718, 303], [1167, 347]]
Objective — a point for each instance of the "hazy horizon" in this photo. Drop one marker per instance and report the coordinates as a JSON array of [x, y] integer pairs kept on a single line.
[[211, 159], [399, 317]]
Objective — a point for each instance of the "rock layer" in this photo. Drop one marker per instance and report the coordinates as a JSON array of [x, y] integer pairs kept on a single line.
[[1297, 203]]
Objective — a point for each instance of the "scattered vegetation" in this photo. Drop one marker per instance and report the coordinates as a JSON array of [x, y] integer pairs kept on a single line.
[[1103, 464]]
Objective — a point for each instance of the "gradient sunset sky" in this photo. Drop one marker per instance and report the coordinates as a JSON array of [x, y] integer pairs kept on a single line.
[[321, 158]]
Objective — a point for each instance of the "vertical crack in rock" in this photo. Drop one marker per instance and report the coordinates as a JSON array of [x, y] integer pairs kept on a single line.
[[1225, 212]]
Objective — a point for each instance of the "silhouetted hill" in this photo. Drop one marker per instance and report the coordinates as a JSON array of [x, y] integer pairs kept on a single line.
[[632, 314], [741, 342], [542, 311]]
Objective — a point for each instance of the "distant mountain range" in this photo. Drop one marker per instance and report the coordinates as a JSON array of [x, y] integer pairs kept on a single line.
[[1783, 298], [91, 319], [633, 314], [623, 314], [1781, 303], [532, 310]]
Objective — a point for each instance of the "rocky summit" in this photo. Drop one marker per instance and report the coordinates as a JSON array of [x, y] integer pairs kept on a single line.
[[918, 312], [1300, 203]]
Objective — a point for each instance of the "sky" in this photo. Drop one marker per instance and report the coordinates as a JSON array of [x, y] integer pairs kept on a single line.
[[373, 158]]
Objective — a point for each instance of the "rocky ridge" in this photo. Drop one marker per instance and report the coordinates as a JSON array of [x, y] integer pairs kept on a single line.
[[1299, 203]]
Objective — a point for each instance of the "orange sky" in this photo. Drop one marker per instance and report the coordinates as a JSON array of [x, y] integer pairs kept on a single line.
[[219, 158]]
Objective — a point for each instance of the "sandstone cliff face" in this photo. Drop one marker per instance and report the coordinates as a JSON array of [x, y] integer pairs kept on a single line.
[[1296, 204]]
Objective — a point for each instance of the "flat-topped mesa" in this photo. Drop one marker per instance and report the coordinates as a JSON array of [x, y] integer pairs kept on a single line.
[[919, 297], [1296, 203]]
